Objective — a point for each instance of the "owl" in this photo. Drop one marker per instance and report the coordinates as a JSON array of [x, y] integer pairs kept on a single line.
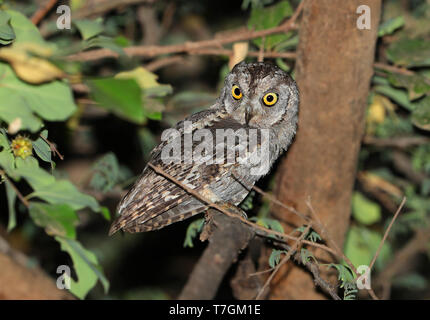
[[260, 101]]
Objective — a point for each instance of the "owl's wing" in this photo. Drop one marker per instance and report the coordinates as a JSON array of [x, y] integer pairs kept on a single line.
[[155, 201]]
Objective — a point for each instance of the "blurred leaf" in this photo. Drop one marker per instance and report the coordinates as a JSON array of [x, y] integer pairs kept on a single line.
[[145, 294], [121, 96], [6, 32], [21, 111], [42, 148], [399, 96], [27, 64], [11, 199], [410, 52], [7, 160], [393, 127], [268, 223], [421, 158], [269, 17], [365, 211], [147, 81], [52, 101], [106, 173], [416, 84], [391, 25], [411, 281], [57, 220], [105, 213], [421, 114], [362, 243], [193, 230], [255, 3], [104, 42], [53, 191], [25, 30], [89, 28], [247, 204], [86, 266]]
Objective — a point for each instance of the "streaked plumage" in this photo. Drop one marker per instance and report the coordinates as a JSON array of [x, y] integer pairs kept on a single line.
[[155, 202]]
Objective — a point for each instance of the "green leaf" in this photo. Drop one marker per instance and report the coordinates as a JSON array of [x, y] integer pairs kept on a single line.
[[57, 220], [193, 230], [417, 85], [410, 52], [275, 257], [365, 211], [421, 114], [105, 213], [24, 29], [345, 274], [7, 160], [105, 42], [42, 148], [63, 191], [13, 107], [391, 25], [106, 173], [89, 28], [397, 95], [52, 101], [361, 245], [53, 191], [86, 266], [269, 17], [121, 96], [7, 35], [11, 199], [307, 256]]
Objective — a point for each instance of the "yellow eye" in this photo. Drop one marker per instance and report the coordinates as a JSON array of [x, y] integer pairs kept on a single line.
[[236, 93], [270, 99]]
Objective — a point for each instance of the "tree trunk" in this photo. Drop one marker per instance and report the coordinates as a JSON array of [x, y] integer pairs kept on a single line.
[[334, 69]]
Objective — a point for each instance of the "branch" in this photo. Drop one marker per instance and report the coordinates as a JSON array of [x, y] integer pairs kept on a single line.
[[188, 47], [397, 142], [41, 12], [18, 193], [259, 230], [93, 8]]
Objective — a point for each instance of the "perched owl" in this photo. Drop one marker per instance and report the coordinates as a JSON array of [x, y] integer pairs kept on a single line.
[[257, 97]]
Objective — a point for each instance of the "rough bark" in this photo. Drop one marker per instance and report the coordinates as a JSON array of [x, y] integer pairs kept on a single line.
[[334, 69]]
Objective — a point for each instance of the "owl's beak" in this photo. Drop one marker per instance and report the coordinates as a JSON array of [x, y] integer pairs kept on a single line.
[[248, 114]]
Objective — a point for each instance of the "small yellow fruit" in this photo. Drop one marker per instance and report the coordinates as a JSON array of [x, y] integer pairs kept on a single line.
[[22, 147]]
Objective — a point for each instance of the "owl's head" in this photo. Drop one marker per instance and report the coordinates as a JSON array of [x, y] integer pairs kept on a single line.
[[260, 95]]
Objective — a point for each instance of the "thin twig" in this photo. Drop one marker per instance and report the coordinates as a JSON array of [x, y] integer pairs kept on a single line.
[[53, 147], [18, 193], [41, 12], [261, 52], [387, 232], [260, 230]]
